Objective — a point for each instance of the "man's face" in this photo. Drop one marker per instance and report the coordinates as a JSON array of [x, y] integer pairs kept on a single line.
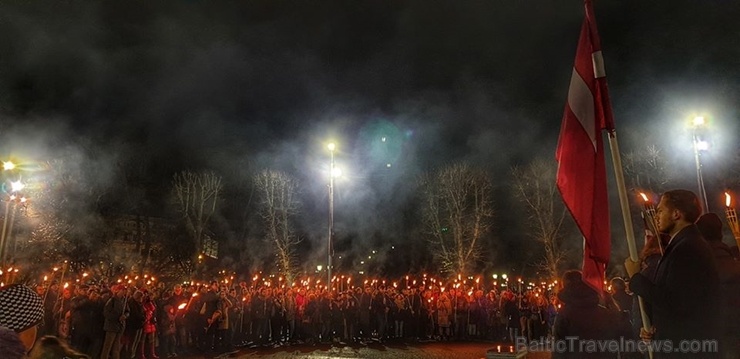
[[178, 290], [666, 216]]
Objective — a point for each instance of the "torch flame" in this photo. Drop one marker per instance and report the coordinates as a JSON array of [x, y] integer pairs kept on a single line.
[[181, 306], [728, 200], [644, 196]]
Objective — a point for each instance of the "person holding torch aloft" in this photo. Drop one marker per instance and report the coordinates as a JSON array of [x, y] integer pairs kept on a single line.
[[684, 291]]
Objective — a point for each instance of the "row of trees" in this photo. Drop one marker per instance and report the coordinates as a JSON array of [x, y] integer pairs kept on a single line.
[[456, 215]]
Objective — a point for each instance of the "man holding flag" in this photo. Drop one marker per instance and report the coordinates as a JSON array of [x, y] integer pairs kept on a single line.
[[581, 176]]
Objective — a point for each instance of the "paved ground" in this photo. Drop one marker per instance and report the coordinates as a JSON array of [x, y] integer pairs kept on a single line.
[[475, 350]]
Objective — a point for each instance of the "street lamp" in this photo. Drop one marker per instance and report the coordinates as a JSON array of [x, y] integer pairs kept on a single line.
[[22, 201], [332, 172], [700, 145]]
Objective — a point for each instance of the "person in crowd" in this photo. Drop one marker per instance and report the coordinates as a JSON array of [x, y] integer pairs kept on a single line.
[[261, 307], [78, 333], [168, 332], [61, 316], [401, 313], [50, 297], [91, 321], [684, 293], [220, 320], [619, 294], [512, 314], [149, 331], [115, 313], [178, 298], [710, 226], [365, 308], [291, 313], [380, 308], [134, 328], [444, 313], [351, 314], [582, 317]]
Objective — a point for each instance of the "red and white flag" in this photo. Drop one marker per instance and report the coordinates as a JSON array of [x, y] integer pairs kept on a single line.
[[581, 176]]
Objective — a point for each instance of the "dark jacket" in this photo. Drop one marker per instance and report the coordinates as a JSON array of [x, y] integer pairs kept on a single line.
[[684, 293], [114, 308], [582, 317], [729, 277]]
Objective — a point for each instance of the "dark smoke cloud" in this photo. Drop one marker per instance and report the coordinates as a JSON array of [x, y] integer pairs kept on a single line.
[[266, 84]]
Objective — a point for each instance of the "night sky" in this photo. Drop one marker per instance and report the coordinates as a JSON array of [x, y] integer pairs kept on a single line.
[[237, 86]]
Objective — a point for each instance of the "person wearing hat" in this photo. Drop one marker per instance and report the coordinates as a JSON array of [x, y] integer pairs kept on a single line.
[[22, 311], [710, 226]]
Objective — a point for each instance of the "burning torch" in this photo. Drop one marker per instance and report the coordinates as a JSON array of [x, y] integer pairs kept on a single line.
[[732, 218], [649, 220]]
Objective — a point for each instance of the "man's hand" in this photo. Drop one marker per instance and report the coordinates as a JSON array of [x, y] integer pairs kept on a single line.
[[647, 335], [631, 267]]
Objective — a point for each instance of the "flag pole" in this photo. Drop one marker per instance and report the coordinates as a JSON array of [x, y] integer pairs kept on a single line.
[[627, 217]]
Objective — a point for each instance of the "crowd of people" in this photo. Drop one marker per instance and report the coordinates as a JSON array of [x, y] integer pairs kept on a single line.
[[686, 277], [151, 322]]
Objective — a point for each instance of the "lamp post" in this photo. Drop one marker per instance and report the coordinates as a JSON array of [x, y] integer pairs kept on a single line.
[[699, 146], [331, 148], [22, 202], [15, 187]]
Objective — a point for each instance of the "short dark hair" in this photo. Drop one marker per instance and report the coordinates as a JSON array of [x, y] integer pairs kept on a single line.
[[685, 202]]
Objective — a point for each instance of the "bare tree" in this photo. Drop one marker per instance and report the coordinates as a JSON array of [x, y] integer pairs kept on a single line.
[[196, 195], [646, 167], [62, 220], [535, 186], [278, 203], [457, 213]]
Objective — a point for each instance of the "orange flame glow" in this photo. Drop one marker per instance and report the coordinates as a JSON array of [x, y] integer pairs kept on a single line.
[[644, 196], [728, 200], [181, 306]]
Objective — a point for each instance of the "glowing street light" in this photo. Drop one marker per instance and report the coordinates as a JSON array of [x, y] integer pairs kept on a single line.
[[700, 145], [17, 186], [8, 165], [698, 121]]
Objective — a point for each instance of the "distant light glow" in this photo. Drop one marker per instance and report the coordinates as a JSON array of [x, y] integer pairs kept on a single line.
[[388, 165], [383, 139], [336, 172], [331, 146], [702, 145], [9, 165], [699, 121], [17, 186]]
